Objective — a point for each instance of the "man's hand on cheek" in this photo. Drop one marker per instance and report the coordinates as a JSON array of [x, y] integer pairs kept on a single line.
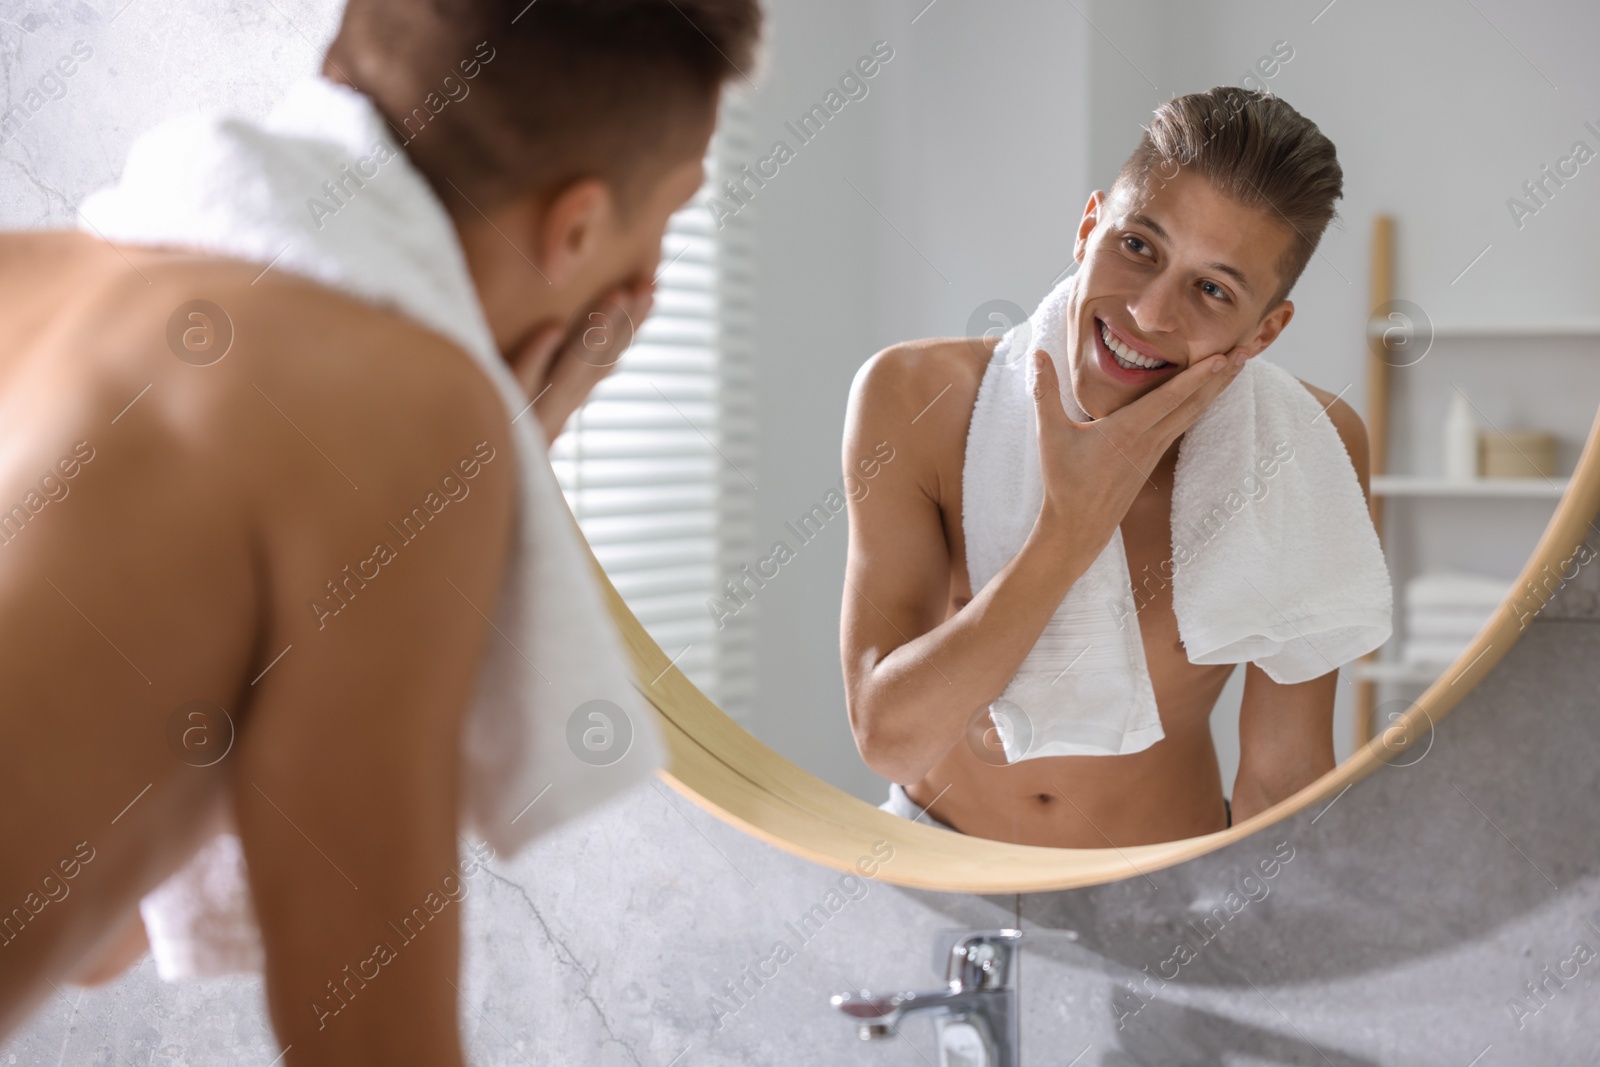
[[558, 367], [1235, 356]]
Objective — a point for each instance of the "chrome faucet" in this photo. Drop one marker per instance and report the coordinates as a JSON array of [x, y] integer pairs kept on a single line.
[[975, 1016]]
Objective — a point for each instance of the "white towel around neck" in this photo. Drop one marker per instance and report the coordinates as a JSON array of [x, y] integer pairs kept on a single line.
[[247, 189], [1274, 557]]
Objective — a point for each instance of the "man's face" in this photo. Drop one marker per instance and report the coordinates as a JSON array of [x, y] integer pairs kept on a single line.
[[1176, 272]]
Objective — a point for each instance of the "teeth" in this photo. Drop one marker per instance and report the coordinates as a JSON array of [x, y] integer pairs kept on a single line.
[[1127, 355]]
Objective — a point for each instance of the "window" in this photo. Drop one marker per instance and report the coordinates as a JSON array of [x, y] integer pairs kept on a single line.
[[659, 465]]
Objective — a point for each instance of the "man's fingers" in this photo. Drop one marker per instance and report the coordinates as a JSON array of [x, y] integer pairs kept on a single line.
[[588, 356], [579, 367], [1179, 400], [638, 297], [531, 364], [1046, 388], [568, 385], [639, 309], [1189, 411], [559, 368], [608, 331]]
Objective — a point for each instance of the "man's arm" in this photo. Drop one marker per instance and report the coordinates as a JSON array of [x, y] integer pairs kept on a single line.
[[346, 771], [913, 679], [1285, 739], [1286, 731]]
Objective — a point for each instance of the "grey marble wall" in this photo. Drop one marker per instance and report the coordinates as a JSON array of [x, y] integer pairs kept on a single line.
[[1402, 924]]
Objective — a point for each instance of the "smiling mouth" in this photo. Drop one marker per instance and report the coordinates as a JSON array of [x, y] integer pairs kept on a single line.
[[1125, 357]]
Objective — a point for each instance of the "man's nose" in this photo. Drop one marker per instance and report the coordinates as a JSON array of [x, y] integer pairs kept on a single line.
[[1155, 308]]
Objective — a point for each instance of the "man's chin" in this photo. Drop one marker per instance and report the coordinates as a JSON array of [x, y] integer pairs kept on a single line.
[[1099, 405], [1109, 397]]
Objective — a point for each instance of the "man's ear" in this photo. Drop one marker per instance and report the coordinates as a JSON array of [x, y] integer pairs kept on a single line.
[[570, 228], [1271, 326], [1091, 218]]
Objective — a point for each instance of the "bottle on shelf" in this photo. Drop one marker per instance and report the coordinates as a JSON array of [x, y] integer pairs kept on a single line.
[[1460, 440]]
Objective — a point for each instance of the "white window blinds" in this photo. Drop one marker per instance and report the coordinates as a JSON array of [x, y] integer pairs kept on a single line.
[[658, 467]]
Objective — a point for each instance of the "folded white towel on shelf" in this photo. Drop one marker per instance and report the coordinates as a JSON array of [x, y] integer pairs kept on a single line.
[[1275, 558], [1437, 652], [1446, 623], [1454, 588], [244, 189]]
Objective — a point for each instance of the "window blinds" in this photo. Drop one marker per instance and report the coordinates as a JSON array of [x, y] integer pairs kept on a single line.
[[658, 466]]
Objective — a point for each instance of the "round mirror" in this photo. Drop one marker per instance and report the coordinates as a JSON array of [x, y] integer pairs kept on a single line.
[[879, 590]]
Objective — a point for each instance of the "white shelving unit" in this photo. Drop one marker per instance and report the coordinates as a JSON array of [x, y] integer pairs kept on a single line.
[[1398, 673], [1410, 491]]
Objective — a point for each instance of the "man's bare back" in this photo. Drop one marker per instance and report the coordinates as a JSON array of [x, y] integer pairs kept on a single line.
[[210, 506], [1170, 790]]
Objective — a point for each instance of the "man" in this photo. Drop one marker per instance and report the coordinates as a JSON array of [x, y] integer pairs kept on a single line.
[[200, 517], [1185, 264]]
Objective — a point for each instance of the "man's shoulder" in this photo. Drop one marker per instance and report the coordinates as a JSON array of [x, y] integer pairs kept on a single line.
[[211, 326], [1352, 430], [276, 383], [918, 397], [301, 346], [313, 332], [935, 379], [400, 396]]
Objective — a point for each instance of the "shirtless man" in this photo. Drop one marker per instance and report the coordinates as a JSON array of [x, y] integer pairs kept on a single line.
[[1183, 269], [198, 518]]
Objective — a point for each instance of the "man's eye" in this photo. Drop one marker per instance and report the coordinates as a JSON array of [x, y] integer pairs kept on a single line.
[[1134, 241], [1219, 290]]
